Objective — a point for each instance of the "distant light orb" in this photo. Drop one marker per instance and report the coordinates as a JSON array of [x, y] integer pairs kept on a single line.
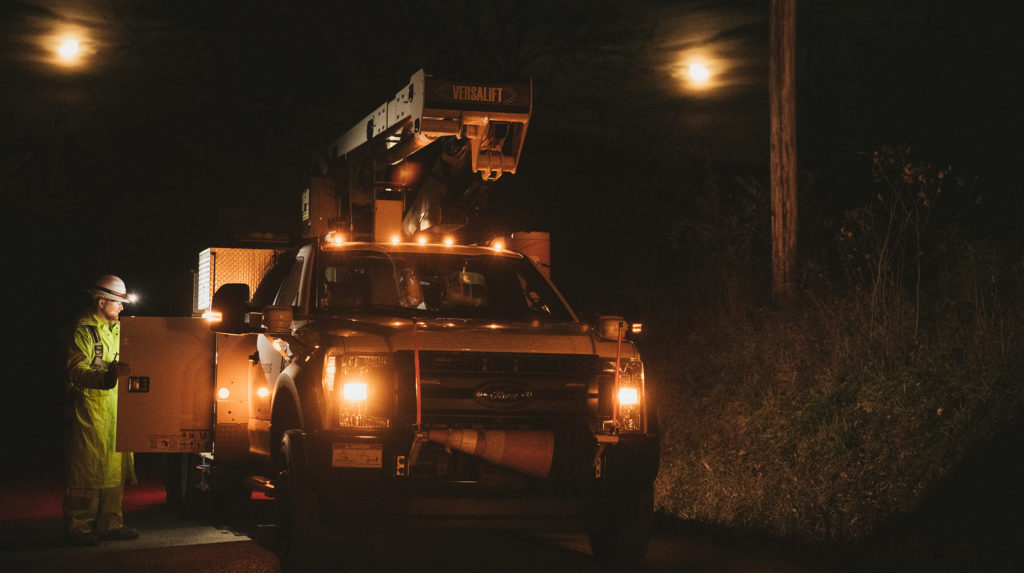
[[69, 50], [699, 73]]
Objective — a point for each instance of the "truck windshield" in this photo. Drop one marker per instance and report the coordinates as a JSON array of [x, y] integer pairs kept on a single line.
[[435, 284]]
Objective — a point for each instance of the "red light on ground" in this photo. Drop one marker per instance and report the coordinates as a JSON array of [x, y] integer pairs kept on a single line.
[[144, 496]]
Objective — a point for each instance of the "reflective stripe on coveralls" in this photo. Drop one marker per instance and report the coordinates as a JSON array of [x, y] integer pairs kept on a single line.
[[97, 347]]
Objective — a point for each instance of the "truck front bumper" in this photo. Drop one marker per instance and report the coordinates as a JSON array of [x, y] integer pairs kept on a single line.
[[382, 488]]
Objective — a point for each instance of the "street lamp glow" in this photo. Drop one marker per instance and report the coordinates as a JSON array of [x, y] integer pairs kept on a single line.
[[699, 73], [69, 50]]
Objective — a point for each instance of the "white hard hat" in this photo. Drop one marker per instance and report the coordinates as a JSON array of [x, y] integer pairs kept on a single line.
[[110, 288]]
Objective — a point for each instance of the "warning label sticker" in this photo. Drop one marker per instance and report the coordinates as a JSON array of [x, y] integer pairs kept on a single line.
[[184, 441], [357, 456]]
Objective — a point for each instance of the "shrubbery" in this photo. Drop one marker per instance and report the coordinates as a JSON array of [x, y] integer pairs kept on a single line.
[[819, 419]]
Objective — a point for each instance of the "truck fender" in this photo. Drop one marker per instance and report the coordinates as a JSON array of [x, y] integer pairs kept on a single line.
[[285, 405], [302, 390]]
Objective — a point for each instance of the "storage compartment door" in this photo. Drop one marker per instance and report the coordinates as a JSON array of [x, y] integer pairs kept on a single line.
[[166, 405]]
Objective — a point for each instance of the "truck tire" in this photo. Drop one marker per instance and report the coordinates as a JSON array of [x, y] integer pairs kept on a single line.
[[621, 523], [299, 527]]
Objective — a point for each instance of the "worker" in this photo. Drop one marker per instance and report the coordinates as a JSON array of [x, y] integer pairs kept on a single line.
[[94, 472]]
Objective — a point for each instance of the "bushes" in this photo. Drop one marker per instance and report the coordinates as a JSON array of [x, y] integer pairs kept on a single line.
[[804, 425], [820, 420]]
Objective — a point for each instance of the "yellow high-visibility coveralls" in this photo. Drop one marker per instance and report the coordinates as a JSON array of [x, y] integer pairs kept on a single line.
[[94, 472]]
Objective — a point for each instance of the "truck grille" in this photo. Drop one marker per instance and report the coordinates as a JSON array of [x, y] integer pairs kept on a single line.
[[454, 363], [500, 388], [505, 391]]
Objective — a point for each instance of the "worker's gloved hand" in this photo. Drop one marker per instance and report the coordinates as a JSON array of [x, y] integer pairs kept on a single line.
[[109, 377]]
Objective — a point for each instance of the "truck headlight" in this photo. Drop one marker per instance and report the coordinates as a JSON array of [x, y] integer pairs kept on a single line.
[[629, 399], [360, 385], [354, 391]]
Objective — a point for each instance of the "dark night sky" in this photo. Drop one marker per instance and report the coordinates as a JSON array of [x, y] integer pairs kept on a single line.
[[189, 121]]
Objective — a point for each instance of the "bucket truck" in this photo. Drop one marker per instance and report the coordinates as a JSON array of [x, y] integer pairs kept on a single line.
[[386, 368]]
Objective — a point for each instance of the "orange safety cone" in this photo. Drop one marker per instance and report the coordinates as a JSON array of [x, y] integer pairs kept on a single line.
[[526, 451]]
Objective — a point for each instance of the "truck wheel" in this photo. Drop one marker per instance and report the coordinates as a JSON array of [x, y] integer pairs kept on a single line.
[[298, 526], [621, 523]]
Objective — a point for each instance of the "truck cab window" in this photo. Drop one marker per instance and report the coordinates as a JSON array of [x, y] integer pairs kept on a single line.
[[368, 282], [438, 284], [271, 283], [289, 293]]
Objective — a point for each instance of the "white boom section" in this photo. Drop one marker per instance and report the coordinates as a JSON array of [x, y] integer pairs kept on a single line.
[[494, 117]]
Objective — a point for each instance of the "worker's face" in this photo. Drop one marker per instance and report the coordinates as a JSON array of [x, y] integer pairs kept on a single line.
[[110, 309]]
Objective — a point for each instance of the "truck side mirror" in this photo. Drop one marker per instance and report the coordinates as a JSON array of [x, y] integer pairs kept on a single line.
[[228, 308], [608, 327]]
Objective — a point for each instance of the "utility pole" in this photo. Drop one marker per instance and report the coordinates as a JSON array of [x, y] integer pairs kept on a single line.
[[782, 96]]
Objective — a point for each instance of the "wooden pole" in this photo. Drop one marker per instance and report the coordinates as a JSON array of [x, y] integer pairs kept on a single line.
[[782, 96]]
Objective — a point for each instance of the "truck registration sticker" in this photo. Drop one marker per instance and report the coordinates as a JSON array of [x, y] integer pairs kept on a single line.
[[357, 456]]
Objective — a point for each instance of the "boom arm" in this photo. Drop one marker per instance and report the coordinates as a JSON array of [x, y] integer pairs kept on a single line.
[[493, 117]]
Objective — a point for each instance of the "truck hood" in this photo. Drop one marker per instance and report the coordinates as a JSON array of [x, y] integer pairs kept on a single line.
[[461, 335]]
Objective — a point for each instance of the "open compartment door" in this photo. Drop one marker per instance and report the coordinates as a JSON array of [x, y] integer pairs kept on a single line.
[[166, 405]]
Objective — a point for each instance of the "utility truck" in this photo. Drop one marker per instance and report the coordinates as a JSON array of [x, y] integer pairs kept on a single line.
[[384, 368]]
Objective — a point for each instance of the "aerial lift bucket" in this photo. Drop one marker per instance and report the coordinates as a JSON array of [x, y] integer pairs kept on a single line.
[[526, 451]]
